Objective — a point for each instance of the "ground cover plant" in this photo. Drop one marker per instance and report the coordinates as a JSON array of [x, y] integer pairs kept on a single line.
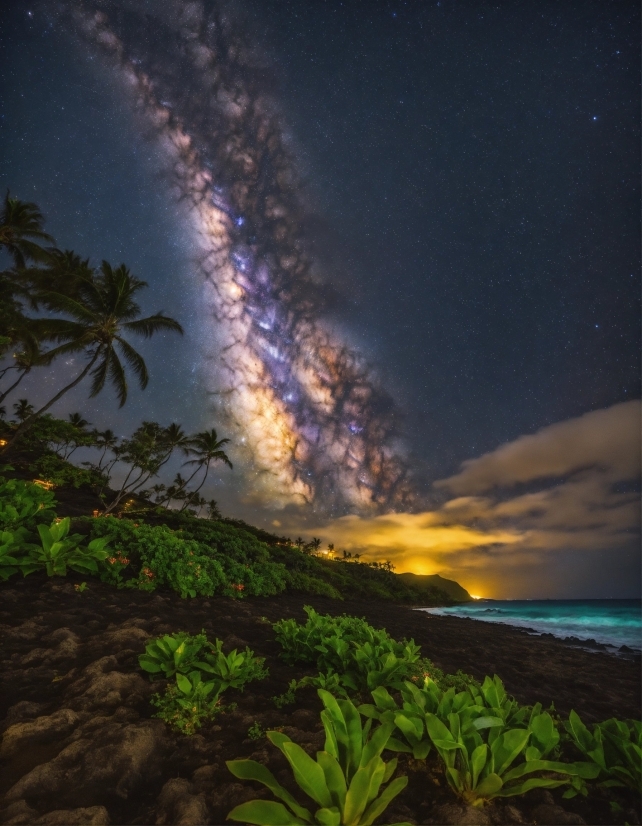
[[346, 780], [202, 673], [347, 651], [614, 746]]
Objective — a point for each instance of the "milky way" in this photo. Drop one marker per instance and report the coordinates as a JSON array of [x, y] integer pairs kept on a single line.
[[317, 427]]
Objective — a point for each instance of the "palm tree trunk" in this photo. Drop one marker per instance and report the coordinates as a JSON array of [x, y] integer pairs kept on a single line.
[[207, 470], [31, 419], [14, 385]]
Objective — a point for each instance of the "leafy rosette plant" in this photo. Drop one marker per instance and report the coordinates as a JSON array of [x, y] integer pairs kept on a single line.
[[172, 654], [59, 551], [233, 670], [479, 771], [614, 746], [345, 781]]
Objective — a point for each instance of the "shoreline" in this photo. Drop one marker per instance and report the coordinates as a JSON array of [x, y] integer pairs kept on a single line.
[[587, 644]]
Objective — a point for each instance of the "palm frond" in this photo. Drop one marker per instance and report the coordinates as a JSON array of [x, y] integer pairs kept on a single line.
[[153, 324], [99, 375], [117, 377], [135, 361]]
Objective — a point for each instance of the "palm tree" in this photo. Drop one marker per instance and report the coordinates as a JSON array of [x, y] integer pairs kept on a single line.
[[173, 436], [105, 440], [21, 232], [103, 309], [77, 421], [206, 447], [23, 409], [315, 544], [24, 361], [212, 509]]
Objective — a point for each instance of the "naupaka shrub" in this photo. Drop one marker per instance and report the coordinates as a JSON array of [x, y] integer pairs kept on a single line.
[[159, 555], [361, 657]]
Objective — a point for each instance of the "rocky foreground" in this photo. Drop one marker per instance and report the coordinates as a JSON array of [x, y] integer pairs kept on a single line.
[[80, 744]]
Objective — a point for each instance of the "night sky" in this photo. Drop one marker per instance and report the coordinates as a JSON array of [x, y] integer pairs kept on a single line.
[[458, 186]]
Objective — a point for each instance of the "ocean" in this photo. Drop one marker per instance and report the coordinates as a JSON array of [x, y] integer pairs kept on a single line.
[[610, 622]]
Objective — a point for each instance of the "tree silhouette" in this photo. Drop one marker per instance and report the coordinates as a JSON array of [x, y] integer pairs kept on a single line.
[[207, 448], [21, 231], [103, 309], [23, 409]]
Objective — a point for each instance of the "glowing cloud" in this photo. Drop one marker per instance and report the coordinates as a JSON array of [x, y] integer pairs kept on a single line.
[[568, 492]]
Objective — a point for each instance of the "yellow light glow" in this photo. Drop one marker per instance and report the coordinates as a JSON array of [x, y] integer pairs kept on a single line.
[[474, 596]]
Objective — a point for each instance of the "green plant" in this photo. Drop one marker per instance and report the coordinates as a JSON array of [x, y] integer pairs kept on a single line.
[[172, 654], [345, 781], [21, 502], [80, 589], [255, 731], [233, 670], [188, 703], [188, 658], [362, 656], [479, 771], [288, 697], [614, 746], [11, 549], [59, 551]]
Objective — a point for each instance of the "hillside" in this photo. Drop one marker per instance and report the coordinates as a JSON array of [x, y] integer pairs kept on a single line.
[[428, 583]]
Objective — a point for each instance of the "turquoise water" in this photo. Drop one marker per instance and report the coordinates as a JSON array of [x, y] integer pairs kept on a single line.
[[612, 622]]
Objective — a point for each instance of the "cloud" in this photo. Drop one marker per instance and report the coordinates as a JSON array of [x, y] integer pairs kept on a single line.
[[522, 516], [603, 439]]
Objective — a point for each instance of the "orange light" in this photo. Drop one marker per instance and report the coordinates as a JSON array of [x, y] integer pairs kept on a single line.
[[43, 483], [3, 442]]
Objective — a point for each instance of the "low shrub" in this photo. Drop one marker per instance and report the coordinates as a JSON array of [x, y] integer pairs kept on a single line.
[[24, 505], [361, 656], [202, 673]]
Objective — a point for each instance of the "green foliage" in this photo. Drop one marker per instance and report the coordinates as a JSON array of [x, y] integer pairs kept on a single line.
[[361, 656], [189, 703], [479, 733], [614, 746], [190, 566], [255, 732], [59, 550], [288, 697], [202, 671], [479, 770], [345, 781], [11, 552], [24, 504], [64, 474], [171, 654]]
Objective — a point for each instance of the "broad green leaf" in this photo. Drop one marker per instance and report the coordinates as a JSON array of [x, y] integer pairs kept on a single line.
[[489, 786], [183, 684], [390, 769], [506, 748], [527, 785], [382, 802], [334, 777], [252, 770], [478, 761], [357, 796], [308, 774], [328, 817], [264, 813], [487, 722]]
